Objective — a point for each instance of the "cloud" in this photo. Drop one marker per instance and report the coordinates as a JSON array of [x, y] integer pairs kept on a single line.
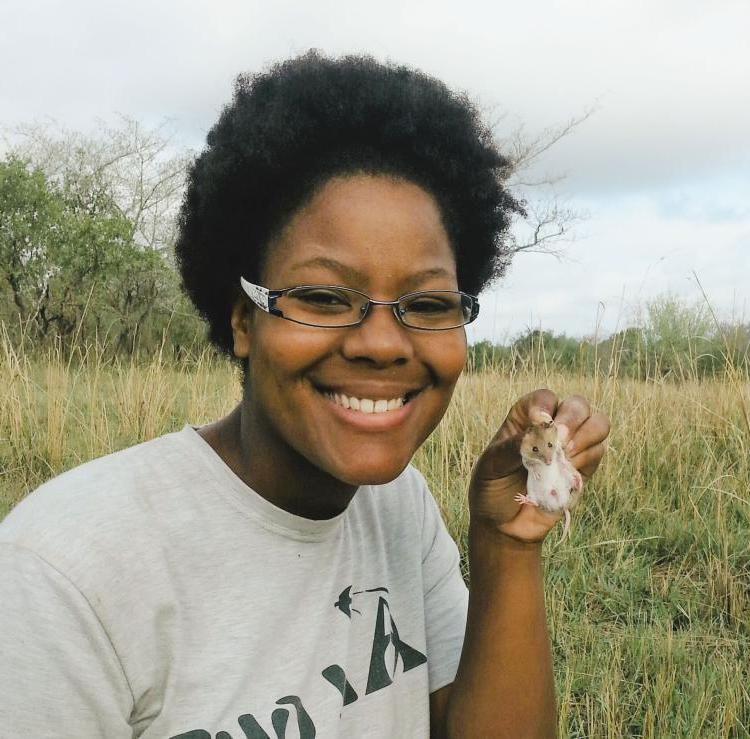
[[667, 75], [627, 255], [661, 166]]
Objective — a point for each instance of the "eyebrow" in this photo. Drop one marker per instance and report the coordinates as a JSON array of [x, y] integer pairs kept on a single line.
[[350, 273]]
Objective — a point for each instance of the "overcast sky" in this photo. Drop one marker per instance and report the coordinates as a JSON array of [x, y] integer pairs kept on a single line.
[[661, 168]]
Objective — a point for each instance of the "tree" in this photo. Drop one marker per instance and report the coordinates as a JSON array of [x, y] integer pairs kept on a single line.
[[484, 355], [537, 347], [127, 166], [68, 270], [626, 354], [131, 174], [30, 218], [681, 337]]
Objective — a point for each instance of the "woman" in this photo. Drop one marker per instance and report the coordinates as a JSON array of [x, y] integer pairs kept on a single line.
[[285, 570]]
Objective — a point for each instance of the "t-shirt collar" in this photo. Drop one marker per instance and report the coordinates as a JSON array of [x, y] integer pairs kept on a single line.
[[255, 505]]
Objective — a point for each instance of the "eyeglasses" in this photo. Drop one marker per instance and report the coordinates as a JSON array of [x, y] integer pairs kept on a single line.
[[331, 306]]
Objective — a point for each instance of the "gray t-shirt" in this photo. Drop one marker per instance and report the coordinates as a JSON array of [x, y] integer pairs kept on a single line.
[[151, 593]]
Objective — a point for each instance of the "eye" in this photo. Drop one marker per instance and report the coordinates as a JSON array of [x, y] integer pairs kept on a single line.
[[429, 305], [439, 302], [549, 444], [536, 448], [321, 297], [316, 300]]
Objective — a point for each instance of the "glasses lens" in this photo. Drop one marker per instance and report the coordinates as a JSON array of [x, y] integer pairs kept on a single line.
[[322, 305], [436, 309]]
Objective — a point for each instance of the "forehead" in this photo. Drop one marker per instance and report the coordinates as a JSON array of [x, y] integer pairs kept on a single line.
[[379, 226]]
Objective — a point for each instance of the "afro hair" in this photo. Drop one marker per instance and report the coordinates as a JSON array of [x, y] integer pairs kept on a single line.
[[290, 129]]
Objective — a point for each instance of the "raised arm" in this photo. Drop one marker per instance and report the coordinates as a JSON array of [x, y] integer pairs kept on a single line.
[[505, 686]]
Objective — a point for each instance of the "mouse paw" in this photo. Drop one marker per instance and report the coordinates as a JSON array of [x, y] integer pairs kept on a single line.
[[524, 499], [577, 481]]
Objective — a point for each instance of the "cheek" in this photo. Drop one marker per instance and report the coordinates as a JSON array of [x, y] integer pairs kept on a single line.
[[448, 355], [287, 349]]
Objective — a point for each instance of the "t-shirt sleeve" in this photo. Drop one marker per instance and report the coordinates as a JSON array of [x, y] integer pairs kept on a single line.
[[59, 674], [446, 597]]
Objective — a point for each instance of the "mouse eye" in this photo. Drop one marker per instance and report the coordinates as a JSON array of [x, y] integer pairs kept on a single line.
[[549, 444], [536, 448]]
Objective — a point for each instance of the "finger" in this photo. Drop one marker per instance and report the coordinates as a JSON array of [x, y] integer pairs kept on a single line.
[[571, 414], [527, 410], [592, 431], [587, 461]]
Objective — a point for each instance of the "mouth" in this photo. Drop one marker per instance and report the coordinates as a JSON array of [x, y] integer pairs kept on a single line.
[[367, 405]]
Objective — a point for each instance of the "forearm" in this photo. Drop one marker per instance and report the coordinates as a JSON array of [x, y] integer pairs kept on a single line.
[[505, 685]]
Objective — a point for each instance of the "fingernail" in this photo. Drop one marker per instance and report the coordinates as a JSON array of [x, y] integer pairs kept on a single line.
[[563, 432], [569, 447]]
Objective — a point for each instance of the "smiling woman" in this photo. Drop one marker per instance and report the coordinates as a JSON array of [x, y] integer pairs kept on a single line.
[[285, 568], [286, 417]]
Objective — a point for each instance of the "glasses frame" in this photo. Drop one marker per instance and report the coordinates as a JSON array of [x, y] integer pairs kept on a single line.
[[266, 299]]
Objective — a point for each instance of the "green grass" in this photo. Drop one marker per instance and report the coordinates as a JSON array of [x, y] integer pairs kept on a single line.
[[648, 602]]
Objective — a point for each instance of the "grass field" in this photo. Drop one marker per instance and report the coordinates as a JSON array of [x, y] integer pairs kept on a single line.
[[649, 602]]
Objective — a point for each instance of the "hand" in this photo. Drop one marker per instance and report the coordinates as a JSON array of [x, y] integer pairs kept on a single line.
[[499, 475]]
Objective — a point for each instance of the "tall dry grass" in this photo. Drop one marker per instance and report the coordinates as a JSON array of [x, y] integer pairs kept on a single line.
[[648, 602]]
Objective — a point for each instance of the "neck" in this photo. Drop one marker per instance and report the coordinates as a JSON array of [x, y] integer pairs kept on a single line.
[[253, 451]]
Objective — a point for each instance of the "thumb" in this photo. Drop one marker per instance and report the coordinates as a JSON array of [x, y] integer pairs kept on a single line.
[[535, 407]]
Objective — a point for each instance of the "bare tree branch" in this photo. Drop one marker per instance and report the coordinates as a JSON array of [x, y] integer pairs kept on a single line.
[[548, 223]]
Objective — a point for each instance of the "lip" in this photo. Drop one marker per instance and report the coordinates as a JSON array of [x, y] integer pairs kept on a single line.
[[368, 421]]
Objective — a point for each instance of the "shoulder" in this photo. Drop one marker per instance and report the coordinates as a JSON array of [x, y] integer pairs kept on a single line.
[[90, 506]]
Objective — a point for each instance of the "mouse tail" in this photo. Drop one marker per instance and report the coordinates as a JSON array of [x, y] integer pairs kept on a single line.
[[566, 528]]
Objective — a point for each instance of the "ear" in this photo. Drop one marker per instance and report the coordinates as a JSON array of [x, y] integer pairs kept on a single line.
[[241, 328]]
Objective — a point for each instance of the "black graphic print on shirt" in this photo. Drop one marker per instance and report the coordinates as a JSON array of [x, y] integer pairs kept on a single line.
[[381, 674]]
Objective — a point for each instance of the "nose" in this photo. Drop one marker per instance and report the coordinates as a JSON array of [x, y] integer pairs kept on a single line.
[[380, 338]]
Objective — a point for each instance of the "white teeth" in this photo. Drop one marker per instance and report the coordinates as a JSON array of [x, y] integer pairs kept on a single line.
[[366, 405]]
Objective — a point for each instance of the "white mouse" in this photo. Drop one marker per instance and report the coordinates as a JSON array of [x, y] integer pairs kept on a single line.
[[553, 483]]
